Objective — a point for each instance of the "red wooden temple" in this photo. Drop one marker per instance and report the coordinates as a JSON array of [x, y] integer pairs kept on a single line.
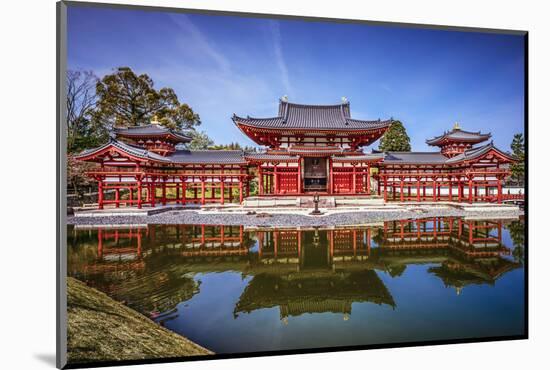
[[308, 149]]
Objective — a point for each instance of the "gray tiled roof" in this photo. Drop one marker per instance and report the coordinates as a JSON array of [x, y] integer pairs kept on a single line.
[[151, 130], [459, 135], [438, 158], [324, 117], [476, 152], [179, 156], [127, 148], [207, 157], [414, 158], [363, 157], [271, 157]]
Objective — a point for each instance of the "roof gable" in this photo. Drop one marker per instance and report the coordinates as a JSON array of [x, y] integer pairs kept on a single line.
[[318, 117]]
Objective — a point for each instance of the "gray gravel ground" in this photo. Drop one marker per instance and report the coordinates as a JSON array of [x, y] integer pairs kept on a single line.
[[278, 220]]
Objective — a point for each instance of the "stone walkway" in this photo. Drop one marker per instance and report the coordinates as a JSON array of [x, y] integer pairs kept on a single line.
[[297, 217]]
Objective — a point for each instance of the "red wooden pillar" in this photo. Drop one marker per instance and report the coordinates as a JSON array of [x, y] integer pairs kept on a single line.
[[459, 189], [153, 193], [401, 195], [260, 180], [183, 190], [177, 193], [354, 180], [164, 191], [368, 179], [330, 176], [222, 190], [240, 190], [203, 191], [450, 189], [433, 189], [299, 176], [100, 194], [499, 190], [276, 179], [418, 189], [131, 195], [139, 194], [385, 189], [117, 197], [470, 190]]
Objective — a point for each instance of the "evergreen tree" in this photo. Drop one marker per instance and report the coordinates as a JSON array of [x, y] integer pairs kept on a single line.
[[395, 139], [126, 99], [518, 151], [199, 140]]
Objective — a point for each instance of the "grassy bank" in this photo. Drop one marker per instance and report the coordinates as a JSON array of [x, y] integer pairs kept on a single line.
[[101, 329]]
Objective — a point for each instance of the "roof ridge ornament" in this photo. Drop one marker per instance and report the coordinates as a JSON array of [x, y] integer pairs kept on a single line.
[[155, 120], [284, 98], [344, 100], [456, 126]]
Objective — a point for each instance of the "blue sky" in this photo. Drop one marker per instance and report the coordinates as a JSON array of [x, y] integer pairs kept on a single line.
[[222, 65]]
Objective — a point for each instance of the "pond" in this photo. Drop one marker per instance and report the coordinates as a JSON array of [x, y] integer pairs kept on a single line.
[[233, 289]]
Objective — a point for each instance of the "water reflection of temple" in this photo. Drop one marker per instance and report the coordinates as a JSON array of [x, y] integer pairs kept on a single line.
[[147, 267], [153, 268], [467, 251]]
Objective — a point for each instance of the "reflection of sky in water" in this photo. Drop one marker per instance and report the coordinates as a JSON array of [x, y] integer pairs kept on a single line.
[[235, 302]]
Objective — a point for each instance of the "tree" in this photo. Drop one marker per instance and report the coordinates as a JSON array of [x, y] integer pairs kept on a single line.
[[126, 99], [81, 101], [76, 174], [199, 140], [518, 151], [517, 234], [395, 139]]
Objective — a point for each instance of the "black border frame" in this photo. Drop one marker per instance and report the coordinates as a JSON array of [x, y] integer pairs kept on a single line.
[[61, 318]]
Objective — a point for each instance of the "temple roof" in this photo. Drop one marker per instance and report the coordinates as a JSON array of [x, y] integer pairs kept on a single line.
[[265, 157], [359, 158], [438, 158], [126, 148], [179, 156], [474, 153], [457, 135], [266, 291], [207, 157], [414, 158], [151, 131], [319, 117]]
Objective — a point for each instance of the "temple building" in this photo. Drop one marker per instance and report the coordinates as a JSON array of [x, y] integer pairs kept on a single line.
[[457, 172], [308, 149], [313, 148]]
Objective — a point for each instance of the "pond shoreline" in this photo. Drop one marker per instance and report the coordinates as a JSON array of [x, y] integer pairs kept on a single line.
[[102, 329], [294, 218]]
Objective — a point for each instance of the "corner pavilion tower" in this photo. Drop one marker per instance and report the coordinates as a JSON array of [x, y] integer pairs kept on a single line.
[[313, 148], [458, 172]]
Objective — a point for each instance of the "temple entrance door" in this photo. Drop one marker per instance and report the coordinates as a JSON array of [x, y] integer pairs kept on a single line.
[[315, 174]]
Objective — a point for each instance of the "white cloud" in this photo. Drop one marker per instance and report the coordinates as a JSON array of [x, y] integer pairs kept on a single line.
[[279, 58]]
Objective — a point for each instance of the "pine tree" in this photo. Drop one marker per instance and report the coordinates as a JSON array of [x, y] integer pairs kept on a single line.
[[518, 151], [395, 139]]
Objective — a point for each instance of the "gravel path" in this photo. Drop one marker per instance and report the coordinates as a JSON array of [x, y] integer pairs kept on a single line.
[[278, 220]]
